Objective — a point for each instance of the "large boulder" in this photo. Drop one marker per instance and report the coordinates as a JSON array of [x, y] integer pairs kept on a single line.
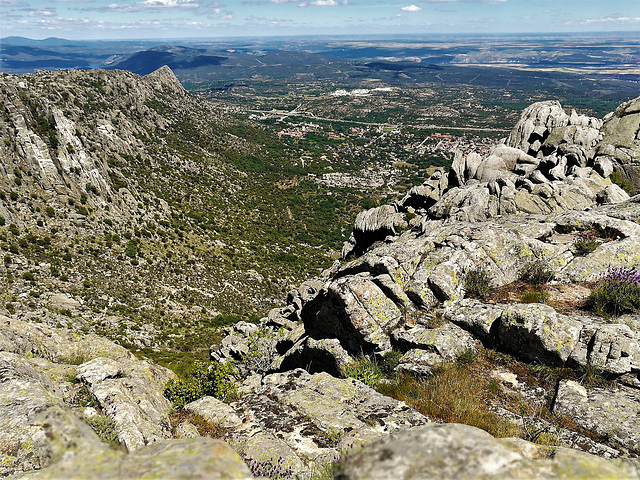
[[620, 144], [537, 332], [193, 458], [307, 420], [459, 451], [610, 412]]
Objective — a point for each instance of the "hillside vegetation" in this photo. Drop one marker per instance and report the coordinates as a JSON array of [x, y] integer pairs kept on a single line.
[[133, 209]]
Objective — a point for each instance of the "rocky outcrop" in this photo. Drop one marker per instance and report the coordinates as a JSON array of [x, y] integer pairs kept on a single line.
[[305, 420], [551, 162], [49, 375], [619, 148], [536, 332], [460, 451], [385, 298], [194, 458], [610, 412], [402, 286]]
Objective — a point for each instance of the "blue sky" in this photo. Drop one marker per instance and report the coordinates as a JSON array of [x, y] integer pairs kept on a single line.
[[128, 19]]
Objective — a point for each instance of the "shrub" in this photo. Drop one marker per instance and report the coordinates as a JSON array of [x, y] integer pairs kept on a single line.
[[467, 357], [131, 249], [537, 273], [390, 361], [260, 354], [363, 369], [105, 428], [477, 282], [617, 293], [2, 221], [204, 378], [50, 212], [534, 296], [585, 246]]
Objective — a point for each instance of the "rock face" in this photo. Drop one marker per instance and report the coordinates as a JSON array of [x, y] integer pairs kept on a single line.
[[385, 298], [611, 412], [47, 377], [620, 145], [551, 162], [197, 458], [460, 451]]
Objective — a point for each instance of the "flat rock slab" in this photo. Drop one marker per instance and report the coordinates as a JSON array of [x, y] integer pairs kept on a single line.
[[613, 413], [192, 458], [455, 451], [307, 420]]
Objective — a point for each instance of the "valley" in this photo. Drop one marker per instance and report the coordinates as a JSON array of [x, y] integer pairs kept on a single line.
[[325, 241], [154, 230]]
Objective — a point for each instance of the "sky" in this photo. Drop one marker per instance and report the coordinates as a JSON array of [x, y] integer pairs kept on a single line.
[[134, 19]]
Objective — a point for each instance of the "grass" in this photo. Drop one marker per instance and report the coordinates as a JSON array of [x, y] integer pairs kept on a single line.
[[364, 369], [205, 428], [455, 393], [534, 296], [105, 428], [584, 246]]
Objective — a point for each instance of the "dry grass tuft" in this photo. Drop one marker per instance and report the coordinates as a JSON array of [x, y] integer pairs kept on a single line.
[[205, 428], [455, 393]]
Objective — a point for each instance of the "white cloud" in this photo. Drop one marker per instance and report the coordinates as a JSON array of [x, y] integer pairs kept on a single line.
[[590, 21], [467, 1], [145, 5], [322, 3], [411, 9], [45, 12], [169, 3]]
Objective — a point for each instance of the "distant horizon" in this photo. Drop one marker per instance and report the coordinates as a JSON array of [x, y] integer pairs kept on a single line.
[[342, 35], [152, 19]]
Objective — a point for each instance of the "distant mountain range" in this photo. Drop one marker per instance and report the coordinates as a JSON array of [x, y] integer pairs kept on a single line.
[[615, 51]]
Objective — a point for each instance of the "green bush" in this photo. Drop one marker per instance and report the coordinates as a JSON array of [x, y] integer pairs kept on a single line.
[[50, 212], [585, 246], [203, 378], [390, 361], [131, 249], [363, 369], [477, 282], [105, 428]]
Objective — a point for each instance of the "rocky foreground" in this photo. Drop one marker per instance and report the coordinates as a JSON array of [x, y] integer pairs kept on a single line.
[[400, 286]]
